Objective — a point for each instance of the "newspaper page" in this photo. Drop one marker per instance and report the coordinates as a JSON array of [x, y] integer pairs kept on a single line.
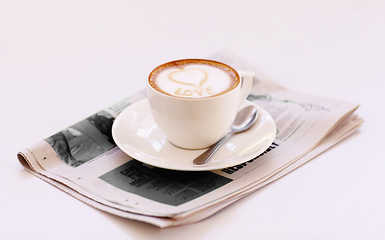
[[84, 161], [338, 134]]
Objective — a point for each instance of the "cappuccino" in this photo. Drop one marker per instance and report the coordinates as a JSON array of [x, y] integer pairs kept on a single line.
[[194, 101], [194, 78]]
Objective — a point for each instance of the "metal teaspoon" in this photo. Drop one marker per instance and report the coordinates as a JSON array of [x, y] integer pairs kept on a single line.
[[243, 121]]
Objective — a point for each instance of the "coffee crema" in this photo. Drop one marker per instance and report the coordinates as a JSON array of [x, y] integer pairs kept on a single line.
[[194, 78]]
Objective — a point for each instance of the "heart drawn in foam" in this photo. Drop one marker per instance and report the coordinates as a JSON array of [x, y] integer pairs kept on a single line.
[[192, 77]]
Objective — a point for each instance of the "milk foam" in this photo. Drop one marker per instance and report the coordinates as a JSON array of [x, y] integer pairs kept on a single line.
[[194, 81]]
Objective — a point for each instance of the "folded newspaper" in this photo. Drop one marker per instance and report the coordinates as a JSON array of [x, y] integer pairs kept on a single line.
[[84, 161]]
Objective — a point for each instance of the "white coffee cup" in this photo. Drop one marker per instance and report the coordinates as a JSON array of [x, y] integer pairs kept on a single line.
[[195, 101]]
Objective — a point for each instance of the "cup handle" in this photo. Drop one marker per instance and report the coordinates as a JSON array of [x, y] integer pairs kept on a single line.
[[247, 82]]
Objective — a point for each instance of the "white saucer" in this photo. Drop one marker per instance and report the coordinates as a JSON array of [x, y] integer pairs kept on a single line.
[[136, 134]]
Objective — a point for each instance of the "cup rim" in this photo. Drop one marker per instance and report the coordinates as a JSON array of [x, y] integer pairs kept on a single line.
[[183, 62]]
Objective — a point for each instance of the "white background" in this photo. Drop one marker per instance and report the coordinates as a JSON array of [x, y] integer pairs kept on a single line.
[[61, 61]]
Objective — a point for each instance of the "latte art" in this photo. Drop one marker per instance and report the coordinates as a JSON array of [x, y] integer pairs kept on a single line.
[[193, 79]]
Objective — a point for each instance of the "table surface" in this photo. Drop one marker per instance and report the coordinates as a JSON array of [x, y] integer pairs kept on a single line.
[[61, 61]]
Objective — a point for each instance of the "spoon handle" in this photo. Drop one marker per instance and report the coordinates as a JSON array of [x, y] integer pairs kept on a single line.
[[206, 155]]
